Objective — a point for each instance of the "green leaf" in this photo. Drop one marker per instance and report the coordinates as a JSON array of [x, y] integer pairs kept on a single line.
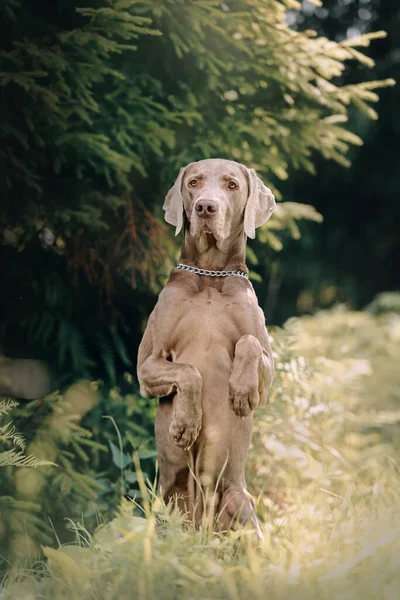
[[120, 460]]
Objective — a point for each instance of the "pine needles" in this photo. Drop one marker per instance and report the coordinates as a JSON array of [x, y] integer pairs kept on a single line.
[[133, 89]]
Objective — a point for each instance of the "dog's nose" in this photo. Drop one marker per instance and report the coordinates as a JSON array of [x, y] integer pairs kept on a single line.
[[206, 208]]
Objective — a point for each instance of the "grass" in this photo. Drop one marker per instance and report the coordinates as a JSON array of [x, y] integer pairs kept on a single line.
[[324, 467]]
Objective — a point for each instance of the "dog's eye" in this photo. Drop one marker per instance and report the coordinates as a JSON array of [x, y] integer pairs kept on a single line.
[[232, 185], [193, 183]]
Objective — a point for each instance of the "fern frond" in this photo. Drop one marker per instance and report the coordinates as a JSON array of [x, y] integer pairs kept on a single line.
[[18, 459], [7, 405], [9, 433]]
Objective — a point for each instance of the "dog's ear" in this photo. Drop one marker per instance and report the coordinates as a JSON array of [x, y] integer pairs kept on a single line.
[[260, 204], [173, 204]]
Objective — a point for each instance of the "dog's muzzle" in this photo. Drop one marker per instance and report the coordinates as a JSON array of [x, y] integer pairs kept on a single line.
[[206, 208]]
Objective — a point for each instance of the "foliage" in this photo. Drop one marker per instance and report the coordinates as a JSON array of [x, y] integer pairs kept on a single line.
[[17, 514], [100, 107], [45, 319], [87, 480], [27, 501], [385, 302], [9, 435], [341, 260], [324, 465]]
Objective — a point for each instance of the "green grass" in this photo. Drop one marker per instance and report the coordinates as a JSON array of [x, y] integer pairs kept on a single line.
[[324, 467]]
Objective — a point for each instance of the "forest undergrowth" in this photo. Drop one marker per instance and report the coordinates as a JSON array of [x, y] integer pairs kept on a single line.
[[324, 468]]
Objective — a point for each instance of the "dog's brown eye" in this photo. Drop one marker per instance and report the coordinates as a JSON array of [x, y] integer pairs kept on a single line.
[[232, 185], [193, 183]]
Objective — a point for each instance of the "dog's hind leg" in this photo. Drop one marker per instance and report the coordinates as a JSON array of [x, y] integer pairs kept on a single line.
[[237, 507], [174, 463]]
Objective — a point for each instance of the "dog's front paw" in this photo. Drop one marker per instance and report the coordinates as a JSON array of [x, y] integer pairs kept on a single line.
[[244, 398], [184, 431]]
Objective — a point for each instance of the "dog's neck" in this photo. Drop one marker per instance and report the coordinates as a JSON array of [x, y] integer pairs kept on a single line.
[[209, 256]]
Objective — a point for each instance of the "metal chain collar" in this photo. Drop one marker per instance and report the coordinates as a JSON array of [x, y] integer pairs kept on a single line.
[[234, 273]]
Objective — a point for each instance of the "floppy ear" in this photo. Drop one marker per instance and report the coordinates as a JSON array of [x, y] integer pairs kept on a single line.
[[260, 204], [173, 204]]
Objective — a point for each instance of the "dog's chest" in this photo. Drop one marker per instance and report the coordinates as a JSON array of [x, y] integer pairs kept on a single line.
[[206, 318]]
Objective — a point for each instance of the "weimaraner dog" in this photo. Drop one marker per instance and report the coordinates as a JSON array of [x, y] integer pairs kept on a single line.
[[205, 352]]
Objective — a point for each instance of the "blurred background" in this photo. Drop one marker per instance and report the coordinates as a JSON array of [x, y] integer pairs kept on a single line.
[[101, 104], [354, 253]]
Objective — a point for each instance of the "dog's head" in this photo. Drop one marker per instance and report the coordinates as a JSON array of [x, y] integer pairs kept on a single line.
[[218, 197]]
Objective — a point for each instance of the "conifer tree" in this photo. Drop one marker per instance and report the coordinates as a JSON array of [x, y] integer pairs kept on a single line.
[[102, 104]]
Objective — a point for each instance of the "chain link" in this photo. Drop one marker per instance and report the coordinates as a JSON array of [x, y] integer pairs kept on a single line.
[[234, 273]]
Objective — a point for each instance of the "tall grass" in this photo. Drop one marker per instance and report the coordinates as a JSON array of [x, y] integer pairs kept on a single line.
[[324, 467]]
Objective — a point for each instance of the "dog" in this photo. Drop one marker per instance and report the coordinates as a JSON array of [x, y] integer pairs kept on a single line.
[[205, 352]]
